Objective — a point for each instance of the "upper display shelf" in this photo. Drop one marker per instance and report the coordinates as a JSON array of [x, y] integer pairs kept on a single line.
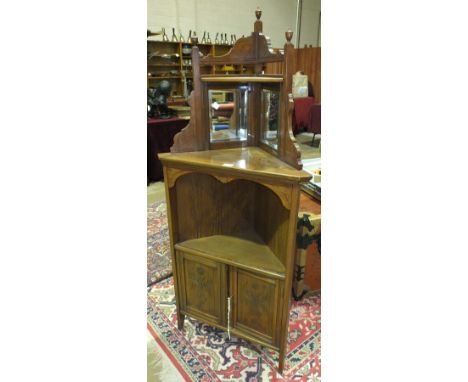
[[185, 43], [247, 112]]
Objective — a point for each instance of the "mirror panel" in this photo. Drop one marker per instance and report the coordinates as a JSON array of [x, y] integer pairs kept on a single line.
[[228, 114], [269, 121]]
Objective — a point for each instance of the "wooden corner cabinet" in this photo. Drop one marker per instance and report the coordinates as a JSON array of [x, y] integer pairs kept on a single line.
[[232, 183]]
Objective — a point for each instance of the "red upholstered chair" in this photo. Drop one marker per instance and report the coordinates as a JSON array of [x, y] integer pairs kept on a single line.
[[301, 115], [314, 120], [307, 116]]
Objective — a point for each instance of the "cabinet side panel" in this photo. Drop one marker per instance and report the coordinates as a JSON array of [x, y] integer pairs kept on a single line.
[[197, 196], [271, 221], [172, 217]]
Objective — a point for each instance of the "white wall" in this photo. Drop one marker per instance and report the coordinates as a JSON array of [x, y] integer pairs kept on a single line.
[[310, 23], [233, 17]]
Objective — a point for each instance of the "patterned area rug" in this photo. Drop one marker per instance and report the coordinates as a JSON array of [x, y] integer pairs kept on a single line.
[[158, 254], [203, 353]]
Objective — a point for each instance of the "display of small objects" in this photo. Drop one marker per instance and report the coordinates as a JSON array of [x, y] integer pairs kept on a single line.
[[317, 175], [220, 39]]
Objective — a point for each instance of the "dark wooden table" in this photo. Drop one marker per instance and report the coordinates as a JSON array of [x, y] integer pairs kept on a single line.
[[160, 137]]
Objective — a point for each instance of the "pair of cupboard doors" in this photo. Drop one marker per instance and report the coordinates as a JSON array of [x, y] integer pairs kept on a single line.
[[245, 303]]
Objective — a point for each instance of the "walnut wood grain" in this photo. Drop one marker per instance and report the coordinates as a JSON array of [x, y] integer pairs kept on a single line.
[[289, 264], [289, 150], [255, 305], [248, 252], [204, 288], [248, 160], [272, 222], [233, 205], [193, 137], [281, 190], [247, 50]]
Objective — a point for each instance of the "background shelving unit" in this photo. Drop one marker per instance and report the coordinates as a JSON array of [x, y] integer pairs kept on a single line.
[[168, 60]]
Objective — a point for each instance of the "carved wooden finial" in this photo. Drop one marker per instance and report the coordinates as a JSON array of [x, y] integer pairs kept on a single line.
[[289, 35], [258, 13]]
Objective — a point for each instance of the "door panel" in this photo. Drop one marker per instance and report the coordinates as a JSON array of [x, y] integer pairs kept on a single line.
[[204, 288], [255, 304]]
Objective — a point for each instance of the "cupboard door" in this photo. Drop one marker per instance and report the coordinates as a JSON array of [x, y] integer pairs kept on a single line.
[[255, 305], [203, 288]]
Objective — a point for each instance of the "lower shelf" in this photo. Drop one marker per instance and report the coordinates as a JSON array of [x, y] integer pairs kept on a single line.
[[246, 253]]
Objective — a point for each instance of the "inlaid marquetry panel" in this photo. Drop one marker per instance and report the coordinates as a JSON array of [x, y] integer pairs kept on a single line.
[[204, 287], [256, 301]]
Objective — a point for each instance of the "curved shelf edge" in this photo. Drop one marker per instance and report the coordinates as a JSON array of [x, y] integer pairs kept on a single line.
[[283, 192]]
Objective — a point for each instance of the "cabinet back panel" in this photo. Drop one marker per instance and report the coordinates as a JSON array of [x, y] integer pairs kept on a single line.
[[209, 207]]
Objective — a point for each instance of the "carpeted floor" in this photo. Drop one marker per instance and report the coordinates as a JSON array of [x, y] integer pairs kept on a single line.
[[159, 264], [203, 353]]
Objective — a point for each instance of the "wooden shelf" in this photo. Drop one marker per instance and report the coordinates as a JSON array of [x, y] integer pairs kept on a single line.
[[162, 77], [189, 43], [247, 252], [240, 78], [248, 160], [164, 42], [172, 52], [164, 65]]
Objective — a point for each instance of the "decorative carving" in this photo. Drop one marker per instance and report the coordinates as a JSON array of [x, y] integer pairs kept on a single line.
[[185, 140], [289, 149], [200, 282], [224, 179], [283, 192], [257, 297], [172, 174], [192, 137], [247, 50]]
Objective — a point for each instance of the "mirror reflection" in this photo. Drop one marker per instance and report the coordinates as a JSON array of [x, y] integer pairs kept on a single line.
[[228, 114], [270, 117]]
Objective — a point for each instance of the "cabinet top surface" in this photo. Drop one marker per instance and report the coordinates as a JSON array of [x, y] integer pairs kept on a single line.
[[248, 160]]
